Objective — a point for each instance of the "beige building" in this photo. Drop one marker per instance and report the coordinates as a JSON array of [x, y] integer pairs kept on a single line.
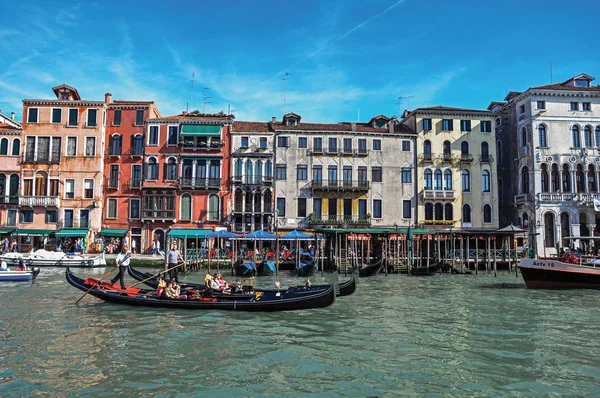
[[456, 171]]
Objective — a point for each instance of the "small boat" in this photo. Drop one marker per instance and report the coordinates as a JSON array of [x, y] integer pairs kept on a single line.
[[554, 274], [306, 267], [371, 269], [44, 258], [244, 268], [284, 300], [425, 270], [19, 276], [265, 268], [345, 288]]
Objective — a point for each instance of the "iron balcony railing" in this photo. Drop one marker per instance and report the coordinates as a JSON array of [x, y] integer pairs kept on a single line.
[[135, 183], [339, 220], [199, 182], [113, 183], [114, 150], [486, 159], [9, 200], [252, 180], [158, 214], [206, 145], [342, 185], [137, 151]]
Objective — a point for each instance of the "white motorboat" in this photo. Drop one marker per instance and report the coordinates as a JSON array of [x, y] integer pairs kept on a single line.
[[44, 258]]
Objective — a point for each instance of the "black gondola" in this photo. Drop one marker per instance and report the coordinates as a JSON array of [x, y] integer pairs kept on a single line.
[[285, 300], [345, 288], [244, 268], [371, 269], [306, 267], [425, 271], [265, 268]]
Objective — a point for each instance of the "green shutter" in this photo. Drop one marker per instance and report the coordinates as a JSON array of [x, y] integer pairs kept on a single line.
[[186, 207]]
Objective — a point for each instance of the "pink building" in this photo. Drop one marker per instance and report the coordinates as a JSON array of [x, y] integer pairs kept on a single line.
[[11, 136]]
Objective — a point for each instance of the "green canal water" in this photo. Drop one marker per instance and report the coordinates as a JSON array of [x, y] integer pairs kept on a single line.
[[441, 336]]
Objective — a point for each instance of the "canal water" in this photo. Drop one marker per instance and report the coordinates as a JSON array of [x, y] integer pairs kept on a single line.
[[440, 336]]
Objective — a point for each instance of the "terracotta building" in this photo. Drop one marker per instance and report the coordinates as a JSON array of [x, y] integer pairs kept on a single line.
[[11, 136]]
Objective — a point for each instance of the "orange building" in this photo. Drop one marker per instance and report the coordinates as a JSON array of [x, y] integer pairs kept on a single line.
[[124, 167], [62, 169], [186, 176], [10, 170]]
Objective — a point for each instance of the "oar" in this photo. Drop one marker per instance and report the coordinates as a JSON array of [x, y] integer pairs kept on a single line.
[[154, 276], [97, 283]]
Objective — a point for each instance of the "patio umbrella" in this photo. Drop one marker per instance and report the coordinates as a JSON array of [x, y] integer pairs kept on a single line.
[[261, 235], [296, 235], [222, 234]]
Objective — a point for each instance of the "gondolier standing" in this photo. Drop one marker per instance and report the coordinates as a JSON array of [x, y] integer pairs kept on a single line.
[[122, 260], [174, 257]]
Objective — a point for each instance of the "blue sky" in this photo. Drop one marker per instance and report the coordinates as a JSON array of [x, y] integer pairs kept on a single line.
[[341, 56]]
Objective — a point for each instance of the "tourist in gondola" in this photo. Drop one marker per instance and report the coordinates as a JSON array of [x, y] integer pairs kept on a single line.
[[3, 266], [173, 291], [174, 258], [223, 286], [122, 260]]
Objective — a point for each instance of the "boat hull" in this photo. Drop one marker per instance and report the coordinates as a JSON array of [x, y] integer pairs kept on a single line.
[[306, 269], [553, 274], [16, 276], [33, 261], [371, 269], [244, 268]]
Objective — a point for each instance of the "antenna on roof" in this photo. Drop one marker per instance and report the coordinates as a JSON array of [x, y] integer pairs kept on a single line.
[[407, 98], [191, 91], [204, 101], [550, 72], [285, 79]]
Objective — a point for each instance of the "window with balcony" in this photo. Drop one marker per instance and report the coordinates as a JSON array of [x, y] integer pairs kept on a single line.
[[139, 117], [437, 180], [90, 146], [88, 188], [466, 181], [428, 211], [32, 115], [428, 179], [438, 211], [113, 177], [448, 212], [317, 144], [159, 204], [427, 124], [376, 174], [347, 145], [485, 152], [115, 145], [302, 172], [332, 145], [173, 135], [171, 169], [134, 209], [447, 124], [56, 115], [137, 145], [332, 175], [111, 211], [362, 146], [302, 142], [465, 126], [406, 175], [153, 135], [377, 208], [544, 178], [317, 208], [152, 170], [447, 180], [92, 116], [281, 170], [73, 117]]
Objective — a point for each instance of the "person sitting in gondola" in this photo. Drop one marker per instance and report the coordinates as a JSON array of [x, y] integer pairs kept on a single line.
[[223, 286], [162, 285], [4, 266], [173, 291]]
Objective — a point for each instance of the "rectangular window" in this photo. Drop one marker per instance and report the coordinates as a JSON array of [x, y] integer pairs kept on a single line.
[[486, 126], [54, 187], [244, 142], [92, 116], [281, 172], [26, 216], [134, 209], [317, 208], [302, 172], [32, 115], [69, 188], [302, 142], [405, 146], [84, 218], [427, 124], [56, 115], [376, 174], [90, 146], [540, 105], [117, 118], [281, 207], [318, 144], [153, 135], [51, 216], [447, 124], [112, 208], [521, 109], [347, 145], [406, 175], [71, 146], [88, 188], [301, 207], [465, 125], [362, 175], [43, 149], [586, 106], [11, 217], [73, 117], [56, 149], [317, 174], [173, 138], [332, 145], [406, 209], [574, 106], [332, 175], [362, 146], [377, 145], [282, 142], [377, 208], [139, 117], [68, 219], [263, 142]]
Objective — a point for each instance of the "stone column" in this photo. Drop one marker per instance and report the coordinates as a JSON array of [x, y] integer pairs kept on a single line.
[[575, 231], [573, 181]]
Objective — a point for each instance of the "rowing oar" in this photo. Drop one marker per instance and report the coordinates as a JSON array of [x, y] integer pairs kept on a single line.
[[154, 276], [97, 283]]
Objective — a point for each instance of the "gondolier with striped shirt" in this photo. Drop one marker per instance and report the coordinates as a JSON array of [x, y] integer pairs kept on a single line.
[[122, 260]]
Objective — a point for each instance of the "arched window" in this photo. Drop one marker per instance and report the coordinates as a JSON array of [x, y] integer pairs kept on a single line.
[[587, 136], [598, 136], [269, 169], [437, 179], [115, 145], [14, 186], [575, 137], [238, 171], [447, 150], [427, 150], [152, 169], [464, 148], [428, 211], [171, 166], [439, 211], [4, 146], [487, 214], [249, 179], [447, 180], [448, 212], [499, 152], [579, 179], [542, 135], [466, 213], [213, 208], [16, 147], [258, 171], [2, 186], [554, 178], [486, 185], [592, 180], [428, 179], [485, 151], [565, 226], [544, 175], [238, 200], [525, 179], [525, 221], [186, 207], [566, 178], [523, 137], [466, 181], [549, 229]]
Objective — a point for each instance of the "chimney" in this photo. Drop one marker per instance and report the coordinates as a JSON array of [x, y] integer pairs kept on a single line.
[[12, 115], [183, 113], [107, 98], [274, 119]]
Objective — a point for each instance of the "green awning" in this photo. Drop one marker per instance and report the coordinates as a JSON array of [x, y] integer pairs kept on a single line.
[[189, 130], [113, 232], [181, 233], [74, 233], [33, 232], [6, 230]]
